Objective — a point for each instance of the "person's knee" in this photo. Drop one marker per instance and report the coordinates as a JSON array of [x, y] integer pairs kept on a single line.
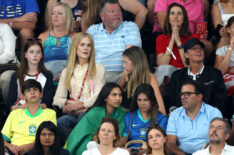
[[6, 76], [66, 121]]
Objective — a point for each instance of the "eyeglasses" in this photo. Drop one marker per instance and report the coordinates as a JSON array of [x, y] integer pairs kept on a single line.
[[186, 94]]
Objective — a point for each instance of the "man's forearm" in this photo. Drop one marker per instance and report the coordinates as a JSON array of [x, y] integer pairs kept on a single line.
[[23, 25], [174, 149], [16, 25], [140, 18]]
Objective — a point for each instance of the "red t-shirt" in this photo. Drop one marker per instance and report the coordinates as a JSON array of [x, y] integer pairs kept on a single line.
[[162, 43]]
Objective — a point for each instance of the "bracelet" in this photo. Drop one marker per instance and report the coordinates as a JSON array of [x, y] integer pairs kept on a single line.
[[180, 47], [11, 24], [169, 50]]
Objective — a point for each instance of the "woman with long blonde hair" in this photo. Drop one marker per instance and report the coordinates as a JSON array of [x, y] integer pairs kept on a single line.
[[82, 79], [137, 72], [90, 13]]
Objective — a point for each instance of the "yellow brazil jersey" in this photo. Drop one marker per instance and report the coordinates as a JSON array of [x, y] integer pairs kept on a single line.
[[20, 127]]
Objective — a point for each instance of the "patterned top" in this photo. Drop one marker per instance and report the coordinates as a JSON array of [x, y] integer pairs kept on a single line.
[[76, 85], [56, 55]]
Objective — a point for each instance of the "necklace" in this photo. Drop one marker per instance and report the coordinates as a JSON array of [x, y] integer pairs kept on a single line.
[[58, 39]]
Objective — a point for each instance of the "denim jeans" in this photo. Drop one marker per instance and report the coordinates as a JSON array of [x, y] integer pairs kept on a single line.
[[66, 123]]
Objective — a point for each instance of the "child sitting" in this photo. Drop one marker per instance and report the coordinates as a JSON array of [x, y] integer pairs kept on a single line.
[[21, 125]]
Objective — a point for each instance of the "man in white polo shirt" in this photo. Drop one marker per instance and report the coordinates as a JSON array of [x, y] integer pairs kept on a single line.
[[218, 134]]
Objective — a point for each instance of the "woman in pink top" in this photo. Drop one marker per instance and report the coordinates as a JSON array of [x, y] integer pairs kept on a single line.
[[194, 8]]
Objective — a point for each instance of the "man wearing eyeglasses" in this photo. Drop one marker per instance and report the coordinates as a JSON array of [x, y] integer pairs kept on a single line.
[[219, 131], [187, 128], [211, 79]]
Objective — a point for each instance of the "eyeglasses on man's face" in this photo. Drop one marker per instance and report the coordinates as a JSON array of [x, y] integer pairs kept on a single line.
[[186, 94]]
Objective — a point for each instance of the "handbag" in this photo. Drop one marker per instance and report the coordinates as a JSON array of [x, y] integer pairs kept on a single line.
[[144, 145]]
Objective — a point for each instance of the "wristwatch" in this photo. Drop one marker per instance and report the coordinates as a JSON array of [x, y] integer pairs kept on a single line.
[[180, 47]]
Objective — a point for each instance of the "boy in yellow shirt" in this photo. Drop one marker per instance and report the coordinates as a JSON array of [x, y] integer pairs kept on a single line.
[[21, 125]]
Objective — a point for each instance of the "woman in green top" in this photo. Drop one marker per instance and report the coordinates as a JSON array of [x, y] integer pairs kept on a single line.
[[107, 105]]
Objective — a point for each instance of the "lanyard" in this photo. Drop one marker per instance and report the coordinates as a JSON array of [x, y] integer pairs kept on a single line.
[[19, 98], [81, 90]]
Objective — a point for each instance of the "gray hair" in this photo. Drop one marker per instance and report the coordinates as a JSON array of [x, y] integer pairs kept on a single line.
[[228, 128]]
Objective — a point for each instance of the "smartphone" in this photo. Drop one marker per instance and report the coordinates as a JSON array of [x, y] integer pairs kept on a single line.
[[135, 151], [218, 27]]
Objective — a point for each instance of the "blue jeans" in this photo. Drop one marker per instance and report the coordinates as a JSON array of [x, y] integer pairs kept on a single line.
[[66, 123]]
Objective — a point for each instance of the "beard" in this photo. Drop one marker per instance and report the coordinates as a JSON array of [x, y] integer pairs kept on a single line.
[[215, 141]]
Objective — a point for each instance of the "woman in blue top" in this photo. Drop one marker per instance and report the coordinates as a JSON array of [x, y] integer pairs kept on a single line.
[[58, 38], [143, 113]]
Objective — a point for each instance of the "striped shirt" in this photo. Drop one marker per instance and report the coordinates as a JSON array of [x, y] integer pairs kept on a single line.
[[110, 47]]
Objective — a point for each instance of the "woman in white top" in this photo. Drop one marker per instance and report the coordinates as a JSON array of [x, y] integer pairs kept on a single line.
[[225, 58], [222, 11], [107, 137], [82, 79]]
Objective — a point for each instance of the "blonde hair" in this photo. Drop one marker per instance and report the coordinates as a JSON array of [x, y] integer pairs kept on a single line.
[[141, 71], [68, 17], [73, 58], [91, 11]]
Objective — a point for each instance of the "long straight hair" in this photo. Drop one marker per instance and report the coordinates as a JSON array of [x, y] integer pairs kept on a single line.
[[184, 29], [141, 71], [55, 148], [73, 58], [148, 91], [23, 69], [103, 95], [90, 11]]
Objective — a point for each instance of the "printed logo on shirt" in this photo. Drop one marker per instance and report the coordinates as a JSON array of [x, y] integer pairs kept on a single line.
[[32, 129], [133, 125], [208, 83], [143, 131], [20, 122]]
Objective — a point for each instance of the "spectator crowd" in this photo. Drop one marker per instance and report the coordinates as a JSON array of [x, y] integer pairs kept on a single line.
[[110, 77]]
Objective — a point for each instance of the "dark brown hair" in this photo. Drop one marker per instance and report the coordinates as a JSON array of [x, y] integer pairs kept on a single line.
[[23, 69], [148, 91], [184, 29], [159, 128], [230, 22]]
